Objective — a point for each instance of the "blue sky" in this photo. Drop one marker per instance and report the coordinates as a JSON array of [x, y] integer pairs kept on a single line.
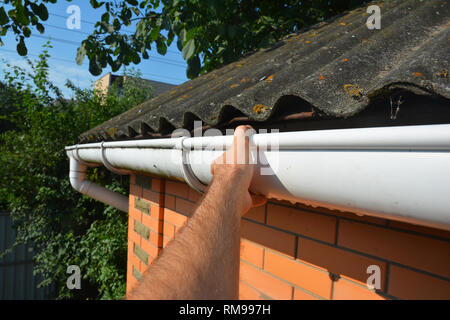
[[170, 68]]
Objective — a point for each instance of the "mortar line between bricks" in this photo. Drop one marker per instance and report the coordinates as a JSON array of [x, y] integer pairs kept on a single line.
[[265, 213], [359, 253], [379, 292], [296, 247], [286, 231], [335, 216], [259, 291], [264, 258], [344, 248], [169, 223], [337, 232], [387, 227], [284, 280], [430, 274], [151, 244], [296, 260], [177, 196], [141, 193], [184, 214], [137, 235], [333, 282], [389, 296], [153, 231], [146, 265], [162, 207], [157, 220], [140, 260], [348, 250], [388, 275]]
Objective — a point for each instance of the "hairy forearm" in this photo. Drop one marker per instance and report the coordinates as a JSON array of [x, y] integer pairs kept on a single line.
[[202, 262]]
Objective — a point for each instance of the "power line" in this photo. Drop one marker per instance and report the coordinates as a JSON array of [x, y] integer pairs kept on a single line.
[[36, 55], [66, 29], [93, 23], [65, 17], [77, 44], [72, 62], [74, 43]]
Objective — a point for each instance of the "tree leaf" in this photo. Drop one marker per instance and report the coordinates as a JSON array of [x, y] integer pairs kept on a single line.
[[188, 49], [190, 34], [107, 27], [161, 47], [22, 48], [105, 17], [42, 12], [40, 28], [181, 39], [26, 32], [170, 37], [95, 4], [154, 33], [193, 68], [20, 15], [115, 64], [81, 52], [132, 2], [94, 68], [3, 16]]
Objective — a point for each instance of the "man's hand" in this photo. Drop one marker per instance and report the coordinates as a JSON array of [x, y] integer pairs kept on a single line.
[[233, 168], [202, 262]]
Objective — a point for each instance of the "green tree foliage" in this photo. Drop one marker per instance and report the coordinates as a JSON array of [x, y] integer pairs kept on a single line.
[[209, 33], [8, 99], [65, 227]]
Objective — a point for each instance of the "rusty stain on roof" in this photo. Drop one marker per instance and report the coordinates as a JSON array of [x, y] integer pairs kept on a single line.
[[419, 75], [260, 108], [353, 90]]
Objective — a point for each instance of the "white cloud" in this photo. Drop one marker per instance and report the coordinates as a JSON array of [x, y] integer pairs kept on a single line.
[[60, 72]]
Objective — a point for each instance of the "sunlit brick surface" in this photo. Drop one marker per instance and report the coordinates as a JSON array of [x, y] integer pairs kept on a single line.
[[297, 251]]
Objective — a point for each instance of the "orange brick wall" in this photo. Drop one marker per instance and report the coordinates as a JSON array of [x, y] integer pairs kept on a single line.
[[299, 252]]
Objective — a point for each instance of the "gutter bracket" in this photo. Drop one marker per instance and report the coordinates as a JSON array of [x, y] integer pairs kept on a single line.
[[78, 158], [188, 174], [109, 166]]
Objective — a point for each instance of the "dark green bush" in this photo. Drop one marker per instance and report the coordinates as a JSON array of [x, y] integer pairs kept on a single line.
[[65, 227]]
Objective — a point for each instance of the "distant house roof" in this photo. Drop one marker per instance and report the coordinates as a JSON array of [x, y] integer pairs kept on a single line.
[[159, 87], [108, 79], [336, 69]]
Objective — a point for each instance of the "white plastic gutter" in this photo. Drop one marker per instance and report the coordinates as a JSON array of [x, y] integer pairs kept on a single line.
[[398, 173], [78, 181]]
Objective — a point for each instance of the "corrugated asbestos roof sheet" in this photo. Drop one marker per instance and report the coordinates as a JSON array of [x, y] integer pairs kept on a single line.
[[336, 67]]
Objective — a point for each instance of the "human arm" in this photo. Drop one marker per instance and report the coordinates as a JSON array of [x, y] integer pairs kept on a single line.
[[202, 262]]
